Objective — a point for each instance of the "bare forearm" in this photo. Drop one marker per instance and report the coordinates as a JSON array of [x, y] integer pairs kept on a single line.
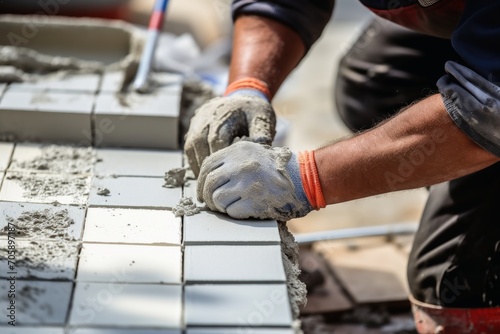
[[419, 147], [264, 49]]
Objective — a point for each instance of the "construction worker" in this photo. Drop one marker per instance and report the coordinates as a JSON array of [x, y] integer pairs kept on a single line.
[[444, 66]]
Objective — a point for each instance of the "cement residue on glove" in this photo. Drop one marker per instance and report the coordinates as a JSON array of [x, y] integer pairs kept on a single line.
[[249, 180], [220, 121]]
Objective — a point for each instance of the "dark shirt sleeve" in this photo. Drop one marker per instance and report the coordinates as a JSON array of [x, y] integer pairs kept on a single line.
[[307, 17], [470, 90]]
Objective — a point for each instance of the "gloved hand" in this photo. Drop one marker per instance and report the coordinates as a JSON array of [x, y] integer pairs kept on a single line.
[[249, 180], [244, 112]]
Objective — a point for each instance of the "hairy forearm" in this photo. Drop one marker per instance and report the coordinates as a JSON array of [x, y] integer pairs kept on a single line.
[[419, 147], [264, 49]]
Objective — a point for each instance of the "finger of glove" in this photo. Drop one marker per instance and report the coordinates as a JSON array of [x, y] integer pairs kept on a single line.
[[216, 180], [226, 195], [242, 209], [198, 150], [262, 126], [211, 164], [222, 135]]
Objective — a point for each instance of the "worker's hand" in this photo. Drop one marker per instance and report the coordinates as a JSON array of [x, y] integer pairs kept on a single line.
[[249, 180], [245, 111], [222, 120]]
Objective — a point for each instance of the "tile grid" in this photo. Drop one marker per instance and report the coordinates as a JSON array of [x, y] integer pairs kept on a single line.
[[206, 231]]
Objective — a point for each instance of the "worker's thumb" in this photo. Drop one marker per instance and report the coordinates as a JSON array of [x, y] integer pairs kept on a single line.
[[262, 126]]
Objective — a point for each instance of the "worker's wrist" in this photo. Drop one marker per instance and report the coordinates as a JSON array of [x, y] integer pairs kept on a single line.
[[310, 179], [249, 87], [293, 169]]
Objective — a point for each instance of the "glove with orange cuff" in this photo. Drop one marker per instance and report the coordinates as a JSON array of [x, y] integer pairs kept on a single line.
[[244, 111], [249, 180]]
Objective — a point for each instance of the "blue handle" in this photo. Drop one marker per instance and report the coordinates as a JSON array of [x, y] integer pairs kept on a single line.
[[161, 6]]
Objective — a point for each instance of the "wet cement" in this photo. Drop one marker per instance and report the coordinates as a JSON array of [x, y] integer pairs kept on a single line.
[[41, 187], [60, 160], [175, 178], [121, 46], [41, 225], [186, 207], [103, 191], [54, 253], [290, 255], [39, 259]]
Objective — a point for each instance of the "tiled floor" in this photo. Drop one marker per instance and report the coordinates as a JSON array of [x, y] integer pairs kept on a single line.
[[94, 262]]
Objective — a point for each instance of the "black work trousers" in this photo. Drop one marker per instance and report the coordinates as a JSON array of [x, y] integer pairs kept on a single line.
[[455, 260]]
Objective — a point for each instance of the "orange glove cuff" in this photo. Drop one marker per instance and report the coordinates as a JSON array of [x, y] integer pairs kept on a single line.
[[251, 83], [310, 179]]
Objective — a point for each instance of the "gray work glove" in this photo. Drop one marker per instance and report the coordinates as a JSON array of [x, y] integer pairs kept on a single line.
[[249, 180], [223, 120]]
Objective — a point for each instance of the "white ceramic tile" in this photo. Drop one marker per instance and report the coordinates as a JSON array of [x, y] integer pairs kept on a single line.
[[5, 155], [134, 226], [236, 263], [167, 82], [127, 305], [147, 121], [53, 159], [190, 191], [123, 331], [133, 192], [240, 330], [32, 330], [164, 82], [46, 260], [45, 188], [127, 162], [38, 302], [56, 222], [132, 263], [47, 116], [112, 81], [70, 82], [2, 89], [242, 305], [212, 228]]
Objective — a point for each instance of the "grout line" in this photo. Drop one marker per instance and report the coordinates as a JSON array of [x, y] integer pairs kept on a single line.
[[128, 282], [232, 243], [272, 282], [93, 121], [183, 292], [114, 243]]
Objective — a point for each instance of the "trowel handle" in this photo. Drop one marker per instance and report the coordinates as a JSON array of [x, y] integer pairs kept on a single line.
[[155, 25]]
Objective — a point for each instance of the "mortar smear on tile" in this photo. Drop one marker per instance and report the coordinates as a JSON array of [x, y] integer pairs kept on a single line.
[[186, 207], [43, 187], [42, 224], [44, 259], [297, 290], [60, 159]]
